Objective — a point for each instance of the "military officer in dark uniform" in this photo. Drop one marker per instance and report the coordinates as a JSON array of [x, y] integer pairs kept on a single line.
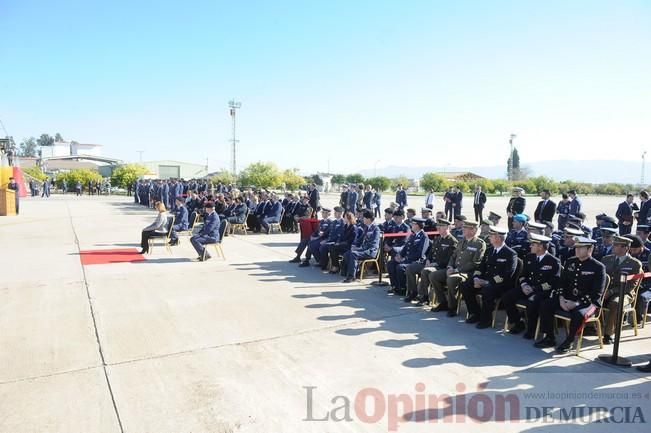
[[516, 205], [617, 263], [485, 230], [426, 214], [518, 238], [583, 280], [413, 251], [624, 215], [181, 220], [640, 252], [539, 229], [605, 247], [463, 263], [540, 276], [495, 218], [493, 277], [642, 231], [320, 237], [566, 250], [437, 257]]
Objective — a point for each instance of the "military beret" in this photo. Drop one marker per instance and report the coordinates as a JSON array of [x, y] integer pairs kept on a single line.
[[492, 214], [325, 209], [470, 224], [582, 241], [620, 240], [338, 209], [487, 222], [572, 232], [460, 217], [494, 230], [520, 218], [607, 231], [425, 209], [536, 225], [636, 241], [535, 238], [443, 222], [398, 213], [643, 228]]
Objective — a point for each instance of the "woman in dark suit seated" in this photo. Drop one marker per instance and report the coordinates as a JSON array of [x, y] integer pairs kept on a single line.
[[157, 229], [343, 242]]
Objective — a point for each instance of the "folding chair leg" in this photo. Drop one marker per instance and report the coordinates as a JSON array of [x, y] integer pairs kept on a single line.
[[579, 341], [535, 336], [361, 271], [599, 334], [634, 313]]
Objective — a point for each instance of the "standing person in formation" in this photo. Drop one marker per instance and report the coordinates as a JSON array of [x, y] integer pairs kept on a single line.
[[429, 199], [457, 201], [516, 205], [478, 203], [575, 202], [46, 188], [447, 198]]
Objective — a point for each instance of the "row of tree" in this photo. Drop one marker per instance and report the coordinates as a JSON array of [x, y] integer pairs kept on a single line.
[[268, 175], [29, 146]]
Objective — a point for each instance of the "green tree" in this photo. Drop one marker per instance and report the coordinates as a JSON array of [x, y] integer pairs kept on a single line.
[[355, 178], [380, 183], [45, 140], [261, 175], [58, 137], [400, 180], [82, 175], [433, 181], [500, 186], [338, 179], [127, 174], [315, 178], [35, 172], [223, 176], [293, 180], [27, 147]]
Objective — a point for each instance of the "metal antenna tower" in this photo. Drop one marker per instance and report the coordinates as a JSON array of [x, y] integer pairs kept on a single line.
[[234, 105]]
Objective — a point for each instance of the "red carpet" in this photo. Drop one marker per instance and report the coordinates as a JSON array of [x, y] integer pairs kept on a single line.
[[103, 257]]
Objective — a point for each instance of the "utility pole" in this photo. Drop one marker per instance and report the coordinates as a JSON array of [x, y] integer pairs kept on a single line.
[[510, 166], [643, 168], [234, 106], [140, 152]]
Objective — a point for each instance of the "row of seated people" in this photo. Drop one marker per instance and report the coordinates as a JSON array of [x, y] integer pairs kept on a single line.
[[440, 272]]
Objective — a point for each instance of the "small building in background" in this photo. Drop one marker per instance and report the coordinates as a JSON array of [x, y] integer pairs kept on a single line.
[[167, 169], [456, 176]]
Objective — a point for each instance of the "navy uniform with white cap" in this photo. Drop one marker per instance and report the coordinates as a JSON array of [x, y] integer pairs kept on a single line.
[[413, 251], [493, 277], [583, 280], [539, 229], [540, 277], [464, 261], [494, 217], [518, 238], [566, 250]]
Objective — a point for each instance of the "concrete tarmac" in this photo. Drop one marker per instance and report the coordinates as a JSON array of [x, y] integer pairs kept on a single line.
[[256, 344]]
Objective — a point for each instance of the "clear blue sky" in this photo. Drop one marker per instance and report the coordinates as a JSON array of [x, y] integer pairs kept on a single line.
[[405, 82]]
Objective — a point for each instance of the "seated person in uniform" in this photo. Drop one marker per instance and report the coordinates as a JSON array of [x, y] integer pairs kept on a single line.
[[463, 263], [344, 241], [493, 277], [238, 213], [540, 277], [583, 280], [157, 229], [367, 249], [413, 251], [518, 238], [181, 220], [209, 233], [617, 263]]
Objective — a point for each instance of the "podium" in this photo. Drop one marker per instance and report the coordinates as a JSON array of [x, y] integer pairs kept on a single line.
[[7, 202]]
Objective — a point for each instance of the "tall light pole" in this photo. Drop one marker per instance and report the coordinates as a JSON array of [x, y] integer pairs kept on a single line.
[[140, 152], [643, 167], [234, 106], [510, 160]]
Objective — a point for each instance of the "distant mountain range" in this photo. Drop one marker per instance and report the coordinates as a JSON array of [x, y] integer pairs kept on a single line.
[[596, 171]]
